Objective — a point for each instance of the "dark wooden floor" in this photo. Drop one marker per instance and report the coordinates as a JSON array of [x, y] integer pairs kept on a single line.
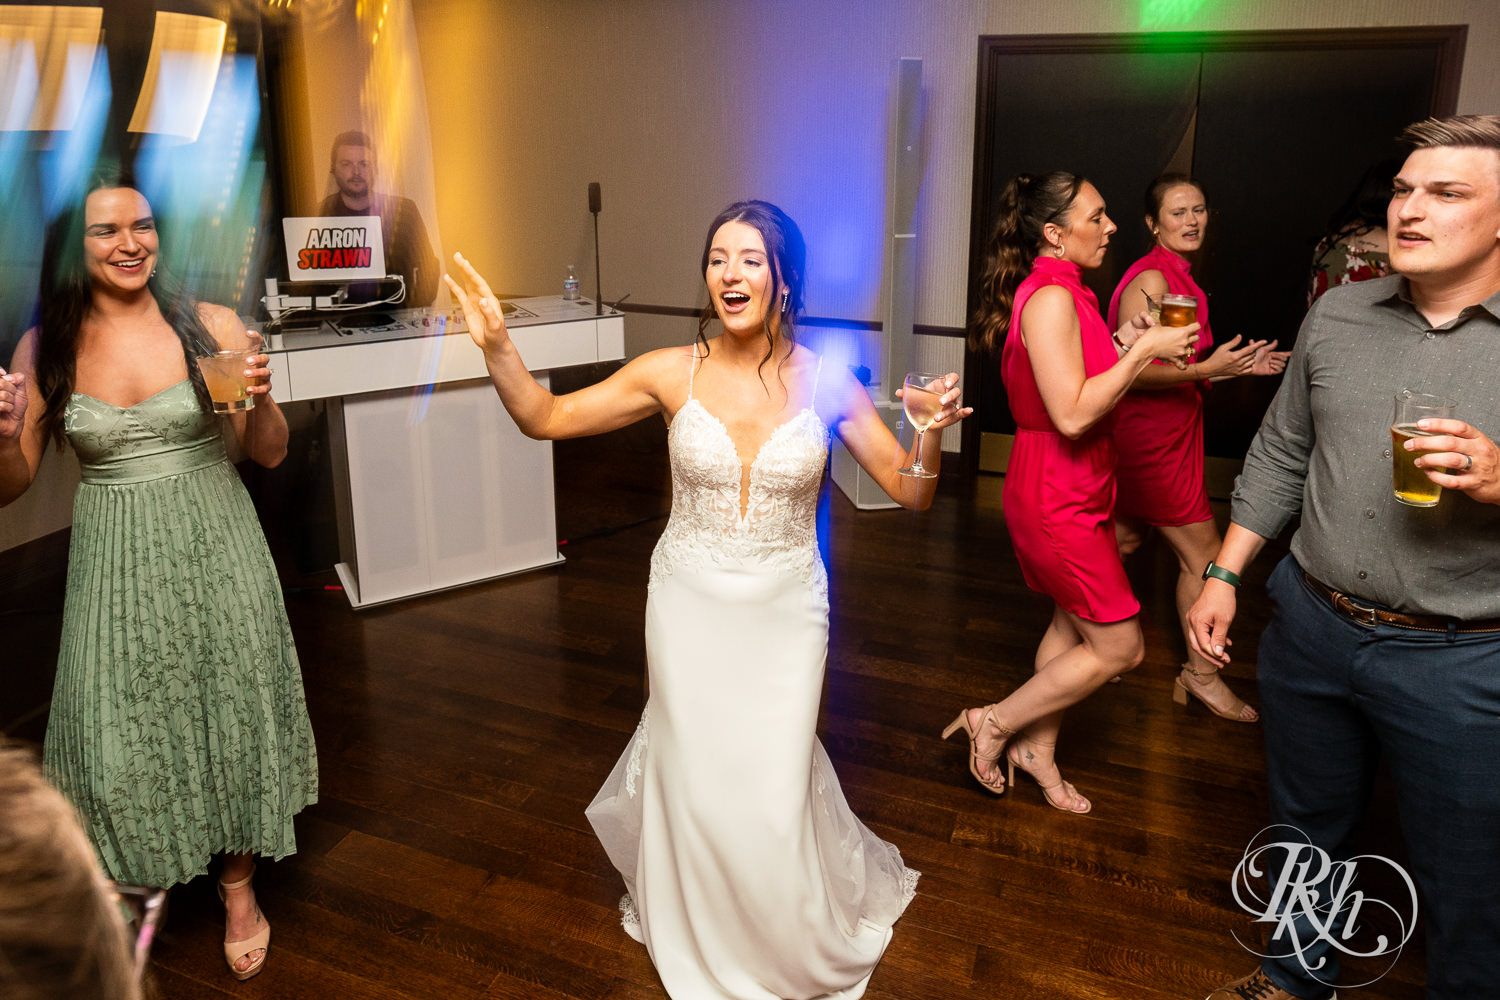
[[461, 735]]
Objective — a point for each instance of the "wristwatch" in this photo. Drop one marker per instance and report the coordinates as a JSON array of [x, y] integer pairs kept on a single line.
[[1218, 572]]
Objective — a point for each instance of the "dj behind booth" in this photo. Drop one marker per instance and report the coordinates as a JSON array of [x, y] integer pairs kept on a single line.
[[408, 252], [434, 487]]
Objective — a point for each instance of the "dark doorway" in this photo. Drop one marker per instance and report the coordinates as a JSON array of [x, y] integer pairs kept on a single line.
[[1278, 126]]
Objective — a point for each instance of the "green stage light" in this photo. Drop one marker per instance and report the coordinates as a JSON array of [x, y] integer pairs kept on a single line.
[[1169, 13]]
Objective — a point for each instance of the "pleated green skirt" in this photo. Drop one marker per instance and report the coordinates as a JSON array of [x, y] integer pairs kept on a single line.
[[178, 728]]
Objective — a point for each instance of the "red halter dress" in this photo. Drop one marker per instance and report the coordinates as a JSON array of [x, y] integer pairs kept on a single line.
[[1059, 494], [1159, 432]]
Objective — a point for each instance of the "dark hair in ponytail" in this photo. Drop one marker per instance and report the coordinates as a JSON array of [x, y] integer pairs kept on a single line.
[[1026, 206]]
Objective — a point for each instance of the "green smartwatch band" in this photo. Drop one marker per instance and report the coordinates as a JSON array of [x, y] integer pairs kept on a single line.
[[1218, 572]]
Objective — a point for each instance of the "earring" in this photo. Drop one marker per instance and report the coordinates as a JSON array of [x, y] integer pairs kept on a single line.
[[786, 294], [1058, 250]]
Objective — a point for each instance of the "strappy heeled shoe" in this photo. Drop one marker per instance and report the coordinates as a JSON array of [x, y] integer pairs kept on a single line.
[[995, 783], [1072, 793], [1241, 712], [261, 941]]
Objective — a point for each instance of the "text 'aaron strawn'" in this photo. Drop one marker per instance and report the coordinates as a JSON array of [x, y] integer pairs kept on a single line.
[[334, 247]]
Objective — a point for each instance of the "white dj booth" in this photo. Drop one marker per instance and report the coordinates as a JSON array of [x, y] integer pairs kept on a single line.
[[434, 485]]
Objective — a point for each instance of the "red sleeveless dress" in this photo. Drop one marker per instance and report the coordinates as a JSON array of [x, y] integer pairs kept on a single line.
[[1059, 494], [1159, 432]]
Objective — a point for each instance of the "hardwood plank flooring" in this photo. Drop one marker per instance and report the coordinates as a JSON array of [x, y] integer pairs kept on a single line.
[[460, 736]]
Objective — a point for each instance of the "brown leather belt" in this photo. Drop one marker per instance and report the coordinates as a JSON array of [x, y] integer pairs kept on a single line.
[[1369, 616]]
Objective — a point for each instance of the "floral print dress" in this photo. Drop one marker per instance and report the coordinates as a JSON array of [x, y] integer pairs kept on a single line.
[[1343, 259], [178, 728]]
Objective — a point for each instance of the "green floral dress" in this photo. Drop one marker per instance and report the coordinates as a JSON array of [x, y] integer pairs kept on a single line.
[[178, 727]]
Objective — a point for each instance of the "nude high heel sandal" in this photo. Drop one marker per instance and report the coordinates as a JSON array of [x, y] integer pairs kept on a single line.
[[994, 784], [1073, 797], [261, 941], [1238, 713]]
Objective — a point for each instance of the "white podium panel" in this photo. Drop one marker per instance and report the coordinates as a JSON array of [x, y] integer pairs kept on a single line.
[[435, 486], [436, 489]]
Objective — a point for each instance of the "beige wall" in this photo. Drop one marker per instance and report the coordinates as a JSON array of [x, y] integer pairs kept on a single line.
[[679, 106], [47, 506]]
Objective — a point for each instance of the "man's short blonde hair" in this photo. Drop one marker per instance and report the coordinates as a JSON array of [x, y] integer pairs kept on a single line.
[[1480, 131]]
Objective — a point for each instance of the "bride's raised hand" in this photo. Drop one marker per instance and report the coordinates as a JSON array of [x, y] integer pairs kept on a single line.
[[482, 312]]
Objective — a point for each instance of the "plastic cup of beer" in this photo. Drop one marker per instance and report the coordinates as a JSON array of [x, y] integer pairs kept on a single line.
[[1411, 483], [228, 386], [1179, 310]]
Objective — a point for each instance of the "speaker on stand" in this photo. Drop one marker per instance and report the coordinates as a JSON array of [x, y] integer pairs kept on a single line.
[[897, 351]]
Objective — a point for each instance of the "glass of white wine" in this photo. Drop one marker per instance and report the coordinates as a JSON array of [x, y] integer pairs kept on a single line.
[[922, 396]]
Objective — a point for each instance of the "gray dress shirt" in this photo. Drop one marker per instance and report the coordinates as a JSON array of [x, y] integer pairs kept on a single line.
[[1324, 451]]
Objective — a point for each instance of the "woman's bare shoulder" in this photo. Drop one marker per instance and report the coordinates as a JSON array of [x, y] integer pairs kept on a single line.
[[664, 362], [23, 359], [662, 373], [1047, 300], [679, 354], [1050, 314], [1149, 279], [211, 312], [224, 325]]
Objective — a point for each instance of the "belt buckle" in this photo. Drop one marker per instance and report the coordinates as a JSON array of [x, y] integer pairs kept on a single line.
[[1366, 616]]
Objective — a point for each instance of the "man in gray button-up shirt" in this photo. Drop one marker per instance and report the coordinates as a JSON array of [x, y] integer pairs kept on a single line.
[[1385, 638]]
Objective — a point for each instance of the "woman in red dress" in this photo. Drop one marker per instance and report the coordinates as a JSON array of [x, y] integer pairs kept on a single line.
[[1159, 423], [1064, 372]]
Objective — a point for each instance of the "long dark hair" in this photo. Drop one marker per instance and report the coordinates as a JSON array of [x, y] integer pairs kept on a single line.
[[1026, 206], [787, 252], [1366, 205], [66, 297]]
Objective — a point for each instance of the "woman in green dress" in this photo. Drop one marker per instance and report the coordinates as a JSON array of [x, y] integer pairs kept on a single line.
[[178, 725]]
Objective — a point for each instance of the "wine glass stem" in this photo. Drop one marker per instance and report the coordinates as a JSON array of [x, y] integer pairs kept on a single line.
[[916, 461]]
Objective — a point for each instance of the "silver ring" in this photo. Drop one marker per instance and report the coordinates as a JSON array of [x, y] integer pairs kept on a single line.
[[1468, 463]]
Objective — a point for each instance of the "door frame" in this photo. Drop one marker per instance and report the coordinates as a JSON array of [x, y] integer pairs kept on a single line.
[[1448, 41]]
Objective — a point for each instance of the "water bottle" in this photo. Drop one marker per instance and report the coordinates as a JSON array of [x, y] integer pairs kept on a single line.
[[570, 284]]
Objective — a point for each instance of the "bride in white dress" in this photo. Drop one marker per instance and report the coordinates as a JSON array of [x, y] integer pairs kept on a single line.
[[749, 877]]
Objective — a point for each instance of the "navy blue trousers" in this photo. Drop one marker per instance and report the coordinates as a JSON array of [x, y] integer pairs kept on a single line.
[[1336, 696]]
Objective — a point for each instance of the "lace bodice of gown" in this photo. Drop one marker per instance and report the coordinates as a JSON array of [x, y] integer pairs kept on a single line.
[[778, 529]]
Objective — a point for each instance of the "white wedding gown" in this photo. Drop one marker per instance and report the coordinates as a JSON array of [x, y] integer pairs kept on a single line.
[[748, 875]]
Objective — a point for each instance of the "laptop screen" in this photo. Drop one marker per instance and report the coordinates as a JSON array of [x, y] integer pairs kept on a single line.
[[334, 248]]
